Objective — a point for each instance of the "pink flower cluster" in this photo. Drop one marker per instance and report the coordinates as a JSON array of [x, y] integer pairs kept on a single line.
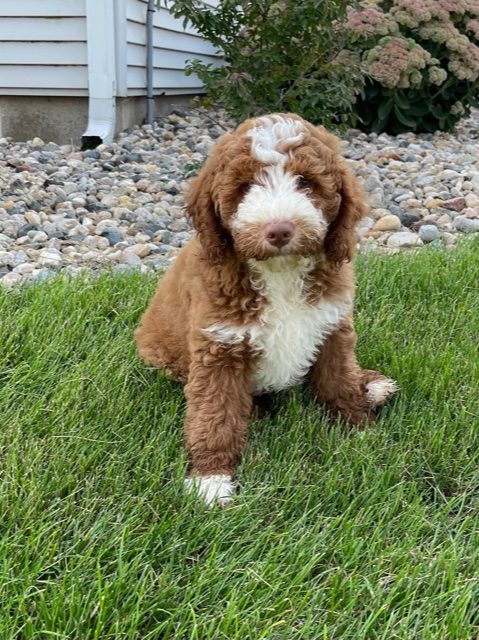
[[444, 33], [388, 63], [473, 27], [472, 7], [370, 21], [398, 61], [466, 66], [411, 13]]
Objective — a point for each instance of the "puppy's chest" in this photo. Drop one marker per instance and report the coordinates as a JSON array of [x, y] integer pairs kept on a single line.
[[288, 334]]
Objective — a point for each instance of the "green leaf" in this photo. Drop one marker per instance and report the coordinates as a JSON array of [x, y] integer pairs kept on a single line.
[[385, 109], [404, 119], [378, 125], [436, 110], [418, 109], [429, 125], [401, 100]]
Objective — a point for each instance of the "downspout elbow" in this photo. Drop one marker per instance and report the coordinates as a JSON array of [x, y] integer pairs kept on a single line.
[[101, 73]]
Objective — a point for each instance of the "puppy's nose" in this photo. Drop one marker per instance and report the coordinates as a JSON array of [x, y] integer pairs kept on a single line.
[[279, 234]]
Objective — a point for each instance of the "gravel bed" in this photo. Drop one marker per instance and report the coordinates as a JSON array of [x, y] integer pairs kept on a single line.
[[120, 206]]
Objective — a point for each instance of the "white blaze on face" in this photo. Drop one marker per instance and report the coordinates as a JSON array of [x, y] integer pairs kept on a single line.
[[275, 196], [273, 136]]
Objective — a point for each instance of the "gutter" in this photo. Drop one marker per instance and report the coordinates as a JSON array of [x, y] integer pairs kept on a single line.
[[100, 27], [150, 100]]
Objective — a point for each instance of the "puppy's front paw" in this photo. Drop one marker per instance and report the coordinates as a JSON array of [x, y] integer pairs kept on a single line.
[[379, 391], [215, 489]]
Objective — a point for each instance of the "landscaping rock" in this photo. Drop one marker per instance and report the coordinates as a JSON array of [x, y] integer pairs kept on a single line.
[[457, 204], [122, 204], [472, 200], [50, 257], [403, 239], [409, 219], [387, 223], [466, 225], [428, 233]]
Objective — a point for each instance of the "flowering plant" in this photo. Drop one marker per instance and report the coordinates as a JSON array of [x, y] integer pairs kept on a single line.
[[422, 62], [280, 55]]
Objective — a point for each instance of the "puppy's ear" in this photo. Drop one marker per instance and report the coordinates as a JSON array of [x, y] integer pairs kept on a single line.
[[203, 208], [340, 242]]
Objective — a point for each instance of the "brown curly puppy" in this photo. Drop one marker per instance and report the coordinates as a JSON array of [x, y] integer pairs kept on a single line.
[[262, 297]]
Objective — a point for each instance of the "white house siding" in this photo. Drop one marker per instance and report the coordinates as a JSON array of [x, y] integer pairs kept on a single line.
[[43, 49], [63, 62], [173, 47]]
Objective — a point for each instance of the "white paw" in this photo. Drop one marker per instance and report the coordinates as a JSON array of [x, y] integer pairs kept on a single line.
[[378, 391], [217, 489]]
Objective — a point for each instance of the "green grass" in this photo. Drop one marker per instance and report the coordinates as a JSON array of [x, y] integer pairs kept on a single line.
[[334, 535]]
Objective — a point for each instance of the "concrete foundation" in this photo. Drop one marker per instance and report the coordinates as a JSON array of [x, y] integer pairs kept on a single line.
[[131, 111], [51, 118], [63, 119]]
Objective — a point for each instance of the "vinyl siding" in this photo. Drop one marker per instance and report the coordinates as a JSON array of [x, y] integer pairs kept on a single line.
[[43, 47], [173, 47]]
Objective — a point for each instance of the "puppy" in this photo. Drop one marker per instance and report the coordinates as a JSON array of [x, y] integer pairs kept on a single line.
[[262, 298]]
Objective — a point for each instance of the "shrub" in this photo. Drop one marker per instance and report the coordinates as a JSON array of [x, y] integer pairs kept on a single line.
[[283, 55], [422, 60]]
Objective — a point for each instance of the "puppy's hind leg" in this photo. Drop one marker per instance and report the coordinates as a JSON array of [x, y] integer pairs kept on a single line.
[[379, 388], [336, 377], [152, 351], [342, 385]]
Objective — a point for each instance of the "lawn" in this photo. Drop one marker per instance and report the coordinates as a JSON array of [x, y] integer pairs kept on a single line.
[[334, 534]]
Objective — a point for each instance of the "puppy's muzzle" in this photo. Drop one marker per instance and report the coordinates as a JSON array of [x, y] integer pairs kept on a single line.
[[279, 234]]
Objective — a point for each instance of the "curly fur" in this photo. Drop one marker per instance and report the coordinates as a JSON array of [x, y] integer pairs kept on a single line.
[[235, 316]]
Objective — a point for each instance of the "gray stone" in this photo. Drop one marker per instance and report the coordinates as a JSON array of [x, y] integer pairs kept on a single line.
[[26, 268], [449, 174], [11, 279], [38, 236], [93, 154], [150, 228], [409, 219], [376, 198], [7, 258], [426, 180], [130, 258], [403, 239], [140, 250], [466, 225], [179, 225], [373, 182], [32, 217], [428, 233], [50, 258], [109, 201], [112, 235]]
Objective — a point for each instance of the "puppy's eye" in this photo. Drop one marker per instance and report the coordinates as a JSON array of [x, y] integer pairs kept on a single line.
[[244, 188], [304, 184]]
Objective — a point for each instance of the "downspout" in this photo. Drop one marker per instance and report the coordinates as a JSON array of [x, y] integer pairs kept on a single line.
[[100, 27], [150, 101]]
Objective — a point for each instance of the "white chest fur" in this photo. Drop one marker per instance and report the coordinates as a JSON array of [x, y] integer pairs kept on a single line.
[[290, 330]]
